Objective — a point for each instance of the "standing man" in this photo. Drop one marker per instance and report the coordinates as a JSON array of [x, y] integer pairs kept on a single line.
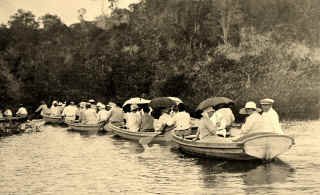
[[270, 116]]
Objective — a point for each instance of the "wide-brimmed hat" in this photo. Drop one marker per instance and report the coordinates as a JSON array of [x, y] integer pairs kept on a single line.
[[92, 101], [249, 105], [99, 104], [267, 101], [102, 106]]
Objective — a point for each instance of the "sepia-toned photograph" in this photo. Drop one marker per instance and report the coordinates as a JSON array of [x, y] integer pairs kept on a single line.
[[143, 97]]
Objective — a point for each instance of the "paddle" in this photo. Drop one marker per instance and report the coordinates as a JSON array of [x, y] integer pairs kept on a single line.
[[149, 139]]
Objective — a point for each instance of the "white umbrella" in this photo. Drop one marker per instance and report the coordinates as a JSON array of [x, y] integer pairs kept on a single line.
[[177, 100], [136, 100]]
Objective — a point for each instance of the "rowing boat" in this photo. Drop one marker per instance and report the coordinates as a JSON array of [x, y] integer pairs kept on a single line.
[[119, 129], [53, 119], [265, 146], [85, 127]]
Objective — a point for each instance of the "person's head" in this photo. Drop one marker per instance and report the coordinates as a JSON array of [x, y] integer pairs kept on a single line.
[[166, 110], [266, 104], [134, 108], [145, 108], [92, 101], [20, 105], [250, 108], [72, 103], [208, 111], [101, 107], [88, 105], [156, 113], [112, 104], [181, 107], [42, 102]]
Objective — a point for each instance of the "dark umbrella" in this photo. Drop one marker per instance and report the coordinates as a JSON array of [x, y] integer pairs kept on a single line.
[[213, 101], [161, 102]]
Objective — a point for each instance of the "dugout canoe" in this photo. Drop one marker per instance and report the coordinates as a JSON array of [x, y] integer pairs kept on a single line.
[[118, 128], [84, 127], [264, 146], [53, 119]]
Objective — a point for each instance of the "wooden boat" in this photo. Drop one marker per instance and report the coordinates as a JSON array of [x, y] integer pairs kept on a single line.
[[10, 125], [119, 129], [53, 119], [265, 146], [84, 127]]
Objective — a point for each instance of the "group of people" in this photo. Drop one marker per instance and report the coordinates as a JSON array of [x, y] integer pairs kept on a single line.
[[215, 121], [22, 111], [218, 122], [85, 112]]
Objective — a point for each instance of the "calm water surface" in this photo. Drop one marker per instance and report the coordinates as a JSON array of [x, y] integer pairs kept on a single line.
[[56, 161]]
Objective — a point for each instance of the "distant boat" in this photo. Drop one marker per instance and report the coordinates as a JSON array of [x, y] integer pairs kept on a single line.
[[53, 119], [264, 146], [119, 129], [10, 125], [85, 127]]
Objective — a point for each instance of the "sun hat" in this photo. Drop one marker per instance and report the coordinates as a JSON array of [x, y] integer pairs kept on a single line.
[[102, 106], [267, 101], [249, 105], [92, 101], [99, 104]]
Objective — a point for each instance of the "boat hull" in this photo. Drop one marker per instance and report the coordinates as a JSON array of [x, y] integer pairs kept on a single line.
[[252, 147], [84, 127], [53, 119], [118, 129]]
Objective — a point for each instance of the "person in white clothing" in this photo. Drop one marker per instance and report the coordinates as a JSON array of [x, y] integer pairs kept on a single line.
[[69, 112], [270, 116], [133, 118], [182, 120], [103, 113], [164, 121], [22, 111], [43, 108], [90, 115], [223, 119], [54, 110], [254, 122]]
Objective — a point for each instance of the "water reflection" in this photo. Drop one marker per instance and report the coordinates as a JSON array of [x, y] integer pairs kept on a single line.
[[215, 172]]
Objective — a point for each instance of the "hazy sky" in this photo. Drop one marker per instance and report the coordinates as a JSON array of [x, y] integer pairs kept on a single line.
[[65, 9]]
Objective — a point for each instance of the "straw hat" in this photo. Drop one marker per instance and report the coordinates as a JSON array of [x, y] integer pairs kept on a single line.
[[102, 106], [249, 105], [267, 101], [92, 101]]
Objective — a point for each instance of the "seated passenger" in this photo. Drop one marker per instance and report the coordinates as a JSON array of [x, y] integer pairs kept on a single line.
[[69, 112], [43, 108], [182, 120], [54, 110], [270, 116], [223, 119], [207, 128], [90, 115], [146, 119], [102, 113], [8, 113], [133, 118], [116, 113], [162, 120], [22, 111], [254, 122]]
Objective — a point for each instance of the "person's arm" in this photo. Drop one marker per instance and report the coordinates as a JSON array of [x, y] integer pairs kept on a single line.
[[39, 109]]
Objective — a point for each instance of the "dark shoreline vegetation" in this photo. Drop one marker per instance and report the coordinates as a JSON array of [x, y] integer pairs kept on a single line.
[[241, 49]]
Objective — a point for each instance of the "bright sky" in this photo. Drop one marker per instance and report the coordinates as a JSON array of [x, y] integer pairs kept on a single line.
[[67, 10]]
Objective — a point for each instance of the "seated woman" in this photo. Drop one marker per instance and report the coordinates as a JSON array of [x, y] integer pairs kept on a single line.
[[90, 115], [182, 121], [146, 119], [133, 118], [162, 119], [206, 129], [223, 119], [54, 110], [254, 122]]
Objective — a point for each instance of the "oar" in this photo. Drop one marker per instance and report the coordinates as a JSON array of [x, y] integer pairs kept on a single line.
[[148, 140]]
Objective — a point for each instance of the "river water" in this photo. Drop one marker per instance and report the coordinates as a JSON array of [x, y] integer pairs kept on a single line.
[[57, 161]]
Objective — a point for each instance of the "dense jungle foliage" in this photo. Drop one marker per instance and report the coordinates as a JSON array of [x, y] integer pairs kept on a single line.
[[192, 49]]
